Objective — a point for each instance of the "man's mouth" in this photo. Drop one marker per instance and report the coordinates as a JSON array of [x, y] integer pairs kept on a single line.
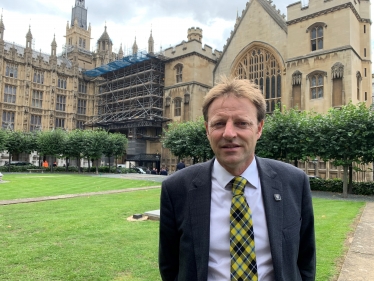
[[232, 145]]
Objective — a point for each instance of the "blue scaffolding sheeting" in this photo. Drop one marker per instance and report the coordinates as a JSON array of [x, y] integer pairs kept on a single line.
[[118, 64]]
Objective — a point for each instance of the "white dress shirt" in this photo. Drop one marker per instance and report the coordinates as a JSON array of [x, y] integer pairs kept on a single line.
[[219, 247]]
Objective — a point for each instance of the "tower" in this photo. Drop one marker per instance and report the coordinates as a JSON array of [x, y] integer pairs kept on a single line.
[[79, 12], [78, 34], [104, 48]]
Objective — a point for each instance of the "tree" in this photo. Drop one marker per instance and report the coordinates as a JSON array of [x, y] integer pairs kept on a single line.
[[116, 146], [188, 139], [96, 142], [16, 142], [75, 144], [345, 134], [284, 136], [52, 143]]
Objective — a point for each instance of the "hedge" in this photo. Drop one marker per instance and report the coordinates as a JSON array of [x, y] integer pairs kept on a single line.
[[336, 185], [71, 169]]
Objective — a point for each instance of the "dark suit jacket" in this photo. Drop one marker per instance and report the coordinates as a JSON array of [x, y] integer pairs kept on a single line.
[[185, 222]]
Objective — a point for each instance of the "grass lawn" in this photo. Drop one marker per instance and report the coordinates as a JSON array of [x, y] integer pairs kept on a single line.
[[38, 185], [89, 238]]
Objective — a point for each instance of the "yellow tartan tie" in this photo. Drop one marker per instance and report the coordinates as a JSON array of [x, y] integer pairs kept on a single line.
[[242, 242]]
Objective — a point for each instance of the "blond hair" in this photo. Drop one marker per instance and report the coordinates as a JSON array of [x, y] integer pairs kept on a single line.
[[240, 88]]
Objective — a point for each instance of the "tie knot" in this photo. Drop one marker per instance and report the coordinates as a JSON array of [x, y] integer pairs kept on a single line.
[[238, 185]]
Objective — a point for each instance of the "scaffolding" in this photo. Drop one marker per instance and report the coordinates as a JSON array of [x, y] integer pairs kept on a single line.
[[130, 98]]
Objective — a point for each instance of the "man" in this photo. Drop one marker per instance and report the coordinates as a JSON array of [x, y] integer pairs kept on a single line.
[[196, 221], [180, 165]]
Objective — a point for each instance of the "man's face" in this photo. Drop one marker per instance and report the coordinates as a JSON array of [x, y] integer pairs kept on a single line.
[[233, 130]]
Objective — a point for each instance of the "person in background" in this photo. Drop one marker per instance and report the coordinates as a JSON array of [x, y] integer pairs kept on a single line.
[[181, 165], [237, 216]]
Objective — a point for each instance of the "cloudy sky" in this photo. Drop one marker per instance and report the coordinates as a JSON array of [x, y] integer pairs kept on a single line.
[[125, 19]]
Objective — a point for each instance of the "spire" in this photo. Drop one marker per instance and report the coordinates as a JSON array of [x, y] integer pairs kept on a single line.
[[237, 18], [134, 48], [120, 52], [151, 44], [2, 27], [53, 46], [28, 38], [29, 35]]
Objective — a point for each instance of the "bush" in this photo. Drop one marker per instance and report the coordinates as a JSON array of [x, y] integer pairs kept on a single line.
[[336, 185]]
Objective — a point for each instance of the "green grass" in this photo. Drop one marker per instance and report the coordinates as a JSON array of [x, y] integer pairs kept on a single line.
[[89, 238], [80, 239], [38, 185], [333, 221]]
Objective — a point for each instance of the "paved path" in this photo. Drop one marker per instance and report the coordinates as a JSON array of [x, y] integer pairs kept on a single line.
[[358, 263], [66, 196]]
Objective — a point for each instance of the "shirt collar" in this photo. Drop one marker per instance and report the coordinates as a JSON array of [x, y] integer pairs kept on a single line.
[[224, 177]]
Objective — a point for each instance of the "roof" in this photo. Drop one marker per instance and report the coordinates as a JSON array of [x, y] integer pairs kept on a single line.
[[118, 64], [35, 54]]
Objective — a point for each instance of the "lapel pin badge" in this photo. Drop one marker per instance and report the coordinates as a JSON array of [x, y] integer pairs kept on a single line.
[[277, 197]]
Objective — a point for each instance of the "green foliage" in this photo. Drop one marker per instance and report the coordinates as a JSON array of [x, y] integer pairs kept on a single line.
[[188, 139], [336, 185], [284, 135], [345, 134], [52, 142]]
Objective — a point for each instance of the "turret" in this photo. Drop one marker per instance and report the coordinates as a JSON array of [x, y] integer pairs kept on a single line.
[[134, 48], [53, 47], [195, 34], [2, 28], [120, 52], [151, 44], [28, 39]]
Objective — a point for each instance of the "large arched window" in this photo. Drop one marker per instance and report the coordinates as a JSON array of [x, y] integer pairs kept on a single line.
[[260, 66]]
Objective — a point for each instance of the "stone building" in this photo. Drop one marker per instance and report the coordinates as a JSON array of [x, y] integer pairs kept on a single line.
[[315, 58]]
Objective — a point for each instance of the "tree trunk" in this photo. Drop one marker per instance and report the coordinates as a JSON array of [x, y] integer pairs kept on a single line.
[[97, 166], [109, 163], [296, 162], [345, 186], [10, 156], [79, 165], [350, 179]]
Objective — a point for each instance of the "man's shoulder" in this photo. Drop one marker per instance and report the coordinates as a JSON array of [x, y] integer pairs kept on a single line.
[[191, 172], [278, 165]]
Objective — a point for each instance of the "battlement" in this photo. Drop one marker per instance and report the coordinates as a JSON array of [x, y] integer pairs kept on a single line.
[[195, 34], [297, 11]]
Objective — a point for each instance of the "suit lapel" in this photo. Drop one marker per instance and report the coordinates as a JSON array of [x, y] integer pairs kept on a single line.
[[271, 187], [199, 198]]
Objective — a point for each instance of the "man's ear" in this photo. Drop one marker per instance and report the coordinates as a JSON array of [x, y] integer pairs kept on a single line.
[[260, 126], [206, 128]]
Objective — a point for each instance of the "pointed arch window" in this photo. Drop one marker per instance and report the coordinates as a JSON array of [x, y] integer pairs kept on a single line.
[[178, 107], [316, 35], [260, 66], [316, 80], [178, 73]]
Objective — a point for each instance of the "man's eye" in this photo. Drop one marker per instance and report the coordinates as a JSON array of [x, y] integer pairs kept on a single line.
[[218, 124], [242, 124]]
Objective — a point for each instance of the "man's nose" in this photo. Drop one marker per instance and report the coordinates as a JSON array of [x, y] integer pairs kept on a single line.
[[230, 131]]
